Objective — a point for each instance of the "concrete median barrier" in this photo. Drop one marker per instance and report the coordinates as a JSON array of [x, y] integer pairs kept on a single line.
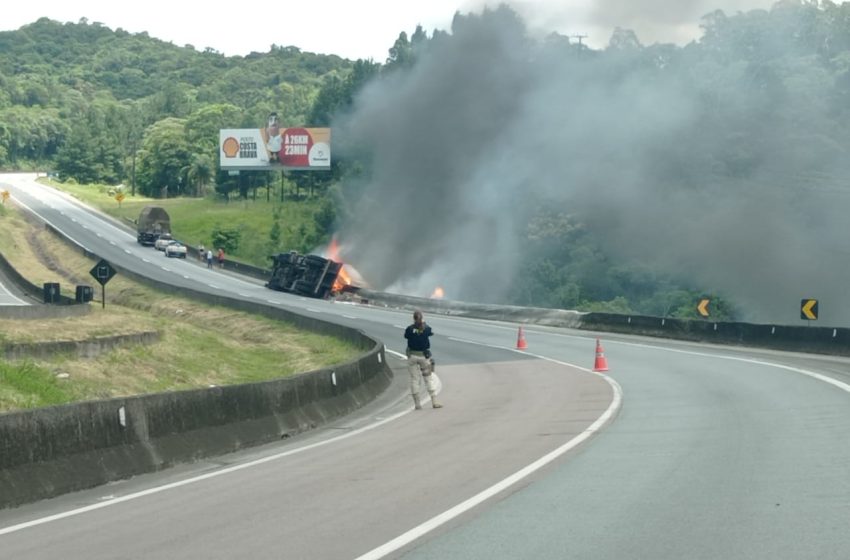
[[50, 451]]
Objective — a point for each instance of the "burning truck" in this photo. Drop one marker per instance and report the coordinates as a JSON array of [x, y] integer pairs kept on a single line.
[[305, 275]]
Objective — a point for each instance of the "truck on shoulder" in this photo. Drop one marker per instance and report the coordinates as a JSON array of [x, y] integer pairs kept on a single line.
[[153, 221], [305, 275]]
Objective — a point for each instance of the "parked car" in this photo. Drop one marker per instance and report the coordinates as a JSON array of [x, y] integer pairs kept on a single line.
[[162, 241], [175, 249]]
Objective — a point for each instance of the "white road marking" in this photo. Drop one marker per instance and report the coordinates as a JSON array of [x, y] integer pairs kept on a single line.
[[165, 269], [349, 316], [395, 543], [186, 277], [814, 375], [178, 484], [112, 243], [128, 251], [443, 518], [310, 309], [213, 286], [48, 221], [245, 295]]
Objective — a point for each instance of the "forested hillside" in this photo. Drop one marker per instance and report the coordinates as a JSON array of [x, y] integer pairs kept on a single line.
[[499, 164], [83, 99]]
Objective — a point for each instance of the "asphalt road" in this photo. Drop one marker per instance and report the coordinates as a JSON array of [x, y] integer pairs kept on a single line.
[[713, 453], [7, 297]]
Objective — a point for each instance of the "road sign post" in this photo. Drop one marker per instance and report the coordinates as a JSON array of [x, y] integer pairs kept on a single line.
[[103, 273], [809, 309], [702, 308]]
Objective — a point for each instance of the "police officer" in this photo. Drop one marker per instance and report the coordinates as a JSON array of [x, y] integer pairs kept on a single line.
[[419, 359]]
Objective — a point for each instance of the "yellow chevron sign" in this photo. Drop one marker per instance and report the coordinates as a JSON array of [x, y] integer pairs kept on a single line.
[[702, 308], [809, 309]]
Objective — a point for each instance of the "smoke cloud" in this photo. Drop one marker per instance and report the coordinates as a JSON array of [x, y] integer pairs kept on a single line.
[[489, 126]]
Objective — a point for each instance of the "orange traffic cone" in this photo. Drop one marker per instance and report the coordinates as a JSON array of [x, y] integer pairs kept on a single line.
[[601, 364], [521, 344]]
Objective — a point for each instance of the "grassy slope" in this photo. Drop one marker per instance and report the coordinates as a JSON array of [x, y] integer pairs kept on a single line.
[[200, 345]]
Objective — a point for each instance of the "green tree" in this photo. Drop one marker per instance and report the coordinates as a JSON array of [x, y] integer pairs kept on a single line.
[[164, 159], [199, 173]]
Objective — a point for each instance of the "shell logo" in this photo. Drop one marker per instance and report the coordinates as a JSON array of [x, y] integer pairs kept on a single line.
[[230, 147]]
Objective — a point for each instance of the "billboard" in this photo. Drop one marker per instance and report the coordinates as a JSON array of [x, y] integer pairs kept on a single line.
[[273, 148]]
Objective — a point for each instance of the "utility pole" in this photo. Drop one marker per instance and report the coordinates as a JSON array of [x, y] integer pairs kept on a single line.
[[580, 39]]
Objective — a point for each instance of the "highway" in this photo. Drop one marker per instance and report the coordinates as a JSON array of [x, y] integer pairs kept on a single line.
[[6, 296], [683, 451]]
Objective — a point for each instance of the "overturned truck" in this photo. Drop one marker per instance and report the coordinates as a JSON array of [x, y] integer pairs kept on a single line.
[[305, 275]]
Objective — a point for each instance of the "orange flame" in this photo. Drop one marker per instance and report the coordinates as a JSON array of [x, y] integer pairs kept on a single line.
[[438, 293], [344, 279]]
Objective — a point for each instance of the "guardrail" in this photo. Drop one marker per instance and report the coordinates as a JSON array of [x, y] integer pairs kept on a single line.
[[818, 340]]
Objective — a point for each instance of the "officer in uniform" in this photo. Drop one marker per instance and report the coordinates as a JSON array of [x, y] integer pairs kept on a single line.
[[419, 359]]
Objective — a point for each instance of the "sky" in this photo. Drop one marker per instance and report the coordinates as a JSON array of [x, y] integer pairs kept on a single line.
[[366, 28]]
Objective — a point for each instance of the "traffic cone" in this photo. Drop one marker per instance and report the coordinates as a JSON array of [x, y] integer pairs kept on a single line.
[[521, 344], [601, 364]]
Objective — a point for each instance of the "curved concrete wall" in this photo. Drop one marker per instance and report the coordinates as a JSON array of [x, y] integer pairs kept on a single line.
[[50, 451]]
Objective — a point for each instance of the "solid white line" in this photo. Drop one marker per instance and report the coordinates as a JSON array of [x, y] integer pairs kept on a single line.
[[443, 518], [454, 511], [820, 377], [396, 354], [199, 478]]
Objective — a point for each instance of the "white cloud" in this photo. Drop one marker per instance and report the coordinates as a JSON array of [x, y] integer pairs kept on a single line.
[[363, 29]]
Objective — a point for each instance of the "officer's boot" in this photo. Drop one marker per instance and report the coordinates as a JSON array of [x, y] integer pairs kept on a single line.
[[416, 404], [434, 402]]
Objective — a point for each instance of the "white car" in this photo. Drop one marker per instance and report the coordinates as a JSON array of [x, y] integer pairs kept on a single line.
[[175, 249], [162, 241]]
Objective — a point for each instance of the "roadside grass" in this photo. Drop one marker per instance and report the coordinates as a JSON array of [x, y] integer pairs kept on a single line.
[[26, 385], [194, 219], [200, 345]]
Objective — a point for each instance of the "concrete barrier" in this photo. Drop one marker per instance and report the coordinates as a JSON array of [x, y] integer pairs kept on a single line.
[[506, 313], [51, 451], [86, 348], [817, 340]]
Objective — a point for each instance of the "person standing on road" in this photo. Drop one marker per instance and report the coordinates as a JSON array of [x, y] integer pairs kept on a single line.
[[209, 258], [419, 359], [220, 257], [202, 253]]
